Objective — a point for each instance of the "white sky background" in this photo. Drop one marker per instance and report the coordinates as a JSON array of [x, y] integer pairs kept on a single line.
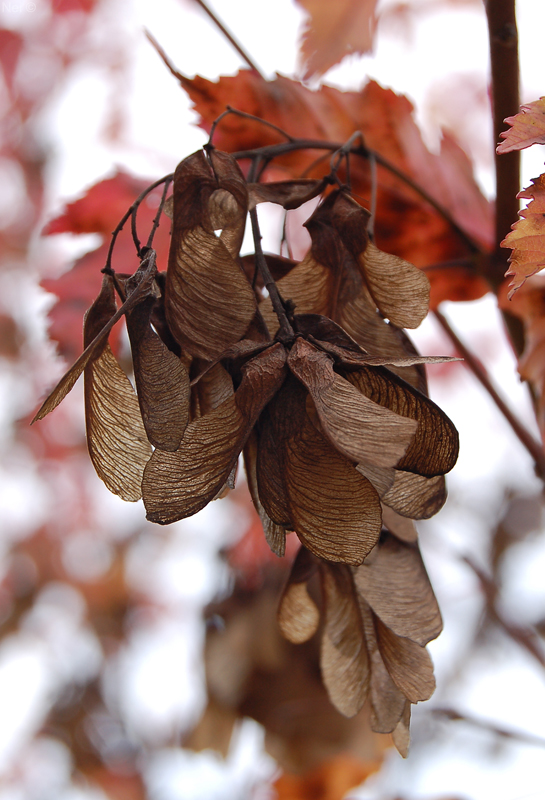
[[504, 686]]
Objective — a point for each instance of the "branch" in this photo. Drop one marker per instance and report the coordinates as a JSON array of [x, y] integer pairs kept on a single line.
[[531, 444], [504, 69]]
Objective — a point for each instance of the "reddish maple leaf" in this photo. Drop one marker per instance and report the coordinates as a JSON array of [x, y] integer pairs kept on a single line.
[[527, 128], [419, 234], [334, 30]]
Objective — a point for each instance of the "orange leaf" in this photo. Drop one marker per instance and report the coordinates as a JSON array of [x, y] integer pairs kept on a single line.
[[527, 128], [334, 30], [527, 237]]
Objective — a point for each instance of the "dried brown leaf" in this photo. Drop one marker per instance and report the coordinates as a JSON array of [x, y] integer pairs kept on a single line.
[[343, 660], [335, 510], [401, 734], [408, 663], [298, 614], [434, 448], [357, 426], [406, 493], [397, 588], [400, 290], [402, 527], [270, 475], [288, 194], [101, 325], [116, 437], [209, 303], [387, 701], [177, 485], [162, 381], [274, 534]]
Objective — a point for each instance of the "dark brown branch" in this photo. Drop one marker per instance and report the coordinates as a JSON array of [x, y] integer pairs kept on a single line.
[[502, 32], [285, 332], [504, 67], [532, 445]]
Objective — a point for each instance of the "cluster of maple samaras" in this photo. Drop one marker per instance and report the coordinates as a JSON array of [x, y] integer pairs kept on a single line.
[[328, 406]]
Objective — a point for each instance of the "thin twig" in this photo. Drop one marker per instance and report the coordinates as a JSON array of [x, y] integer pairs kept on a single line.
[[157, 217], [230, 38], [531, 444], [276, 150], [245, 115], [522, 635], [489, 725]]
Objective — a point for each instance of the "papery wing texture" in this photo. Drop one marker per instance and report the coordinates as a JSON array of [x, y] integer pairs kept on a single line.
[[177, 485], [162, 381], [434, 448], [274, 534], [397, 588], [408, 663], [344, 660], [298, 614], [358, 427], [116, 437], [335, 510], [209, 302]]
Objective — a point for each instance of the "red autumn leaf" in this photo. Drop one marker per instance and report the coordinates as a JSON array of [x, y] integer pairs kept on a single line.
[[420, 235], [527, 128], [11, 44], [527, 237], [100, 208], [334, 30]]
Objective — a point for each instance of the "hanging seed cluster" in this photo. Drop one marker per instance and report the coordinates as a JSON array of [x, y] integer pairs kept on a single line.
[[305, 370]]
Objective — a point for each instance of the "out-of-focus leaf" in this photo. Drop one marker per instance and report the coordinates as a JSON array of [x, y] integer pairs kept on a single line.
[[298, 615], [396, 586], [209, 302], [162, 381], [527, 128], [527, 237], [434, 448], [401, 733], [335, 30], [408, 663], [331, 780], [356, 426], [343, 660], [101, 207]]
